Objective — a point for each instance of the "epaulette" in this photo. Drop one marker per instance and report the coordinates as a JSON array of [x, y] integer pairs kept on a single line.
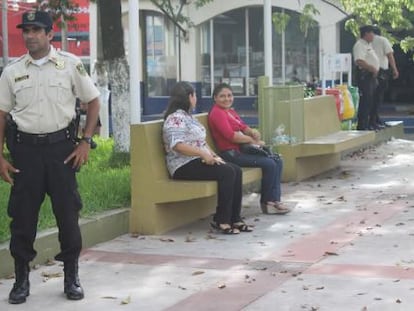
[[14, 61]]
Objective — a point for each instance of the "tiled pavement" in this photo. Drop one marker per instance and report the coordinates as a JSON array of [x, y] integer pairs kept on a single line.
[[347, 245]]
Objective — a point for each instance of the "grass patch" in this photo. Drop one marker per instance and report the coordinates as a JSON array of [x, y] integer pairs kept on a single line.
[[104, 184]]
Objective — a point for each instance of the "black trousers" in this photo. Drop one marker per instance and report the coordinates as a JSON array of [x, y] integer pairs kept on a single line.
[[367, 85], [379, 95], [229, 179], [42, 172]]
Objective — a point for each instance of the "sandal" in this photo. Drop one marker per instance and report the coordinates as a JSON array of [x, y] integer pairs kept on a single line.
[[225, 230], [242, 227], [276, 208]]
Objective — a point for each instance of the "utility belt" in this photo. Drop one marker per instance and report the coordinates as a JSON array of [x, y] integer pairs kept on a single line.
[[13, 135], [44, 139]]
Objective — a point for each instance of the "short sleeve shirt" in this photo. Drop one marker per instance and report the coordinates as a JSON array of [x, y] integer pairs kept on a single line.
[[363, 50], [182, 127], [382, 48], [223, 124], [42, 98]]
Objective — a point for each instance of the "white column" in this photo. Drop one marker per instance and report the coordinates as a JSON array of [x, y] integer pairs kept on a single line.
[[5, 33], [267, 17], [134, 59]]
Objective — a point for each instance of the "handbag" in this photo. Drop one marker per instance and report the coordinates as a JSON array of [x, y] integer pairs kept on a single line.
[[263, 151]]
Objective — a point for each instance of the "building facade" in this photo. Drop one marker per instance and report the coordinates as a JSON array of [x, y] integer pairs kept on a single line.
[[227, 44]]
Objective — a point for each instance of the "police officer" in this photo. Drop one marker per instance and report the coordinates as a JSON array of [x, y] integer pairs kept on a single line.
[[367, 71], [38, 92]]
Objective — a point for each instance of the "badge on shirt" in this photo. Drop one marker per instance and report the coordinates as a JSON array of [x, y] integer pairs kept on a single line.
[[21, 78], [60, 64], [81, 69]]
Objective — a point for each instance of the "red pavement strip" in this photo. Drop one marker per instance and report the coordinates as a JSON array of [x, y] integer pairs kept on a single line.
[[306, 252], [314, 247]]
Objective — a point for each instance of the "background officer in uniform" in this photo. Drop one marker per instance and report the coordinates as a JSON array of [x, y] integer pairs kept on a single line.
[[367, 71], [38, 91], [388, 69]]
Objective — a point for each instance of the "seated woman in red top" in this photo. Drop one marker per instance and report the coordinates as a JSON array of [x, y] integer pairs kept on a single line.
[[229, 131]]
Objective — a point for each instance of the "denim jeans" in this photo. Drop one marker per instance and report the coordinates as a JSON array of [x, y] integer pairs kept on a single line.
[[271, 172]]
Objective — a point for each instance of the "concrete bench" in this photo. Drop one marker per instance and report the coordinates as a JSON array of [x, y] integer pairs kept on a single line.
[[323, 141], [315, 124], [159, 203]]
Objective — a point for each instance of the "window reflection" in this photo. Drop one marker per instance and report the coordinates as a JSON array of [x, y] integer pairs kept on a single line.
[[160, 55], [227, 41]]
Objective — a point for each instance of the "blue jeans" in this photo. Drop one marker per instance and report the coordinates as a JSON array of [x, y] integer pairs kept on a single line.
[[271, 172]]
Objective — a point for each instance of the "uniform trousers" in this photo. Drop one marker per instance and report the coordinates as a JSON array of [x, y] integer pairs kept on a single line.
[[42, 172], [379, 98], [229, 180], [367, 84], [271, 172]]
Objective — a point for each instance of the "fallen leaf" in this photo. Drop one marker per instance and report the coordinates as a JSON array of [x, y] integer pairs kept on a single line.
[[377, 298], [126, 301], [197, 272], [167, 240], [320, 288], [109, 297], [331, 254], [51, 275], [305, 287], [364, 309], [181, 287], [50, 262], [134, 235], [398, 301], [221, 285]]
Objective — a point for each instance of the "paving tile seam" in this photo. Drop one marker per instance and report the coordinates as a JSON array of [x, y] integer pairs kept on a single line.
[[213, 263]]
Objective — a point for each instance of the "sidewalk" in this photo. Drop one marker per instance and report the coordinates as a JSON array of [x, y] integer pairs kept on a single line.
[[348, 245]]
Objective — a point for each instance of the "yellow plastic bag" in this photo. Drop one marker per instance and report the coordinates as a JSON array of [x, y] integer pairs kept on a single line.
[[349, 109]]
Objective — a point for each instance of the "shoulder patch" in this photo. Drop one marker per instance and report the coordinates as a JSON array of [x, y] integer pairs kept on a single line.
[[81, 69]]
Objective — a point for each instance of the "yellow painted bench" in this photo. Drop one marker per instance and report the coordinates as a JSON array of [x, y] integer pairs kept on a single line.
[[323, 141], [159, 203], [315, 124]]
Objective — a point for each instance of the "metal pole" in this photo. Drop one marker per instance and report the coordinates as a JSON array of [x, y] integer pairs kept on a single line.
[[267, 17], [5, 35], [134, 59]]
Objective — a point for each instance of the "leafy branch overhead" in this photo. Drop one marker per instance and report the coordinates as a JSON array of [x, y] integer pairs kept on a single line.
[[394, 17], [174, 11], [59, 9]]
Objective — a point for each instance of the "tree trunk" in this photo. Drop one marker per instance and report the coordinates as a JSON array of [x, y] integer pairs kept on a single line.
[[118, 70]]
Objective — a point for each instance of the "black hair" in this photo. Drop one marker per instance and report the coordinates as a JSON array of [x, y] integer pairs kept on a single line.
[[377, 30], [179, 98], [365, 29], [219, 87]]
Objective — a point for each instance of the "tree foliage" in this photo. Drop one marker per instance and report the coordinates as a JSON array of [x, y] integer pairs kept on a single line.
[[394, 17], [173, 9], [58, 9]]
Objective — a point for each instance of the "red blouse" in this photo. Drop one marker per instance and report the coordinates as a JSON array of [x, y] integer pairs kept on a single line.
[[223, 124]]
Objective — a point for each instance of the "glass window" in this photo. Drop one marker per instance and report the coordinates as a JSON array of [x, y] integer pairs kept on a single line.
[[205, 34], [301, 54], [227, 42], [160, 55], [230, 50], [256, 48]]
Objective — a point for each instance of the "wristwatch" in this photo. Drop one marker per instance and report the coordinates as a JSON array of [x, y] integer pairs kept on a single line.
[[87, 139]]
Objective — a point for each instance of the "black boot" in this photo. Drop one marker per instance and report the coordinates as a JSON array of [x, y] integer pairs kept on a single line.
[[21, 288], [72, 289]]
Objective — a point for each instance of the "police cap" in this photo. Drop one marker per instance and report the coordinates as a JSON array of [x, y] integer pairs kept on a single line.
[[37, 18]]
